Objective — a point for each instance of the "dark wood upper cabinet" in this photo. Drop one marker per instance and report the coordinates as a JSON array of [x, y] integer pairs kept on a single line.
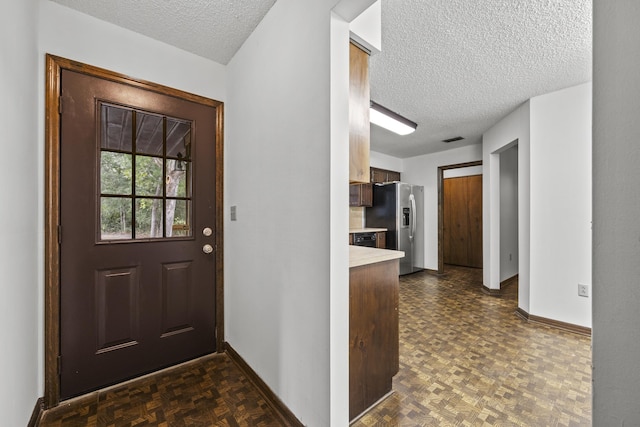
[[359, 100], [360, 195], [378, 175]]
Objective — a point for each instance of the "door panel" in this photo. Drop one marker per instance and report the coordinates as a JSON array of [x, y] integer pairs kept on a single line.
[[177, 314], [462, 242], [137, 181], [117, 308]]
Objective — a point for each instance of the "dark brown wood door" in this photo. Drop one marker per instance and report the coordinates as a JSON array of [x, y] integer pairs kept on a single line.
[[463, 221], [137, 180]]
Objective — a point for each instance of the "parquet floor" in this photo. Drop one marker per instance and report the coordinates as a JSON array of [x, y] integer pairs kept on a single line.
[[211, 391], [465, 360]]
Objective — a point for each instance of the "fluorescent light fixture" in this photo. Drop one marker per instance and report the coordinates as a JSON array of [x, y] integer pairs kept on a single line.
[[390, 120]]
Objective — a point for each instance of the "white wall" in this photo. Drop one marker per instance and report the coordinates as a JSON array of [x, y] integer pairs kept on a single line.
[[423, 170], [560, 195], [286, 295], [553, 133], [616, 213], [384, 161], [19, 271], [460, 172], [73, 35], [366, 29], [514, 128], [508, 213]]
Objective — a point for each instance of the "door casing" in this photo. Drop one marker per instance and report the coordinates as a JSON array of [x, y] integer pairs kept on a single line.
[[54, 67]]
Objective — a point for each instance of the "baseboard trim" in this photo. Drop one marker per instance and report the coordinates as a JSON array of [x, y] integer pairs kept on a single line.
[[503, 284], [36, 415], [288, 417], [509, 281], [570, 327], [491, 292]]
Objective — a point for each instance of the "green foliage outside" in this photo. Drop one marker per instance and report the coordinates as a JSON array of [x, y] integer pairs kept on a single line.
[[116, 178]]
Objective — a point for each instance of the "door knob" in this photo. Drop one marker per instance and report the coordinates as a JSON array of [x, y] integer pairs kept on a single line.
[[207, 249]]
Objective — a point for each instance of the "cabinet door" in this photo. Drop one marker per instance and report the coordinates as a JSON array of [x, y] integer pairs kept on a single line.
[[373, 333], [381, 240], [383, 175], [378, 175], [360, 195], [366, 195], [354, 195], [359, 101], [393, 176]]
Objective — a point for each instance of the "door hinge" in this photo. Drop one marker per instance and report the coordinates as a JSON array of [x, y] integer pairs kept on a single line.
[[59, 234], [60, 105], [59, 365]]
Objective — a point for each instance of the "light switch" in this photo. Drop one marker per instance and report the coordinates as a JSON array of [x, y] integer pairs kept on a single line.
[[233, 213]]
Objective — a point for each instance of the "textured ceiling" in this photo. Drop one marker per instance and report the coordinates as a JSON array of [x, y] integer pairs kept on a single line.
[[456, 67], [212, 29]]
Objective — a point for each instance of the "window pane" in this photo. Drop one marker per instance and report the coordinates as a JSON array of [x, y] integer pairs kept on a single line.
[[178, 175], [178, 139], [115, 173], [116, 128], [178, 218], [115, 218], [149, 134], [148, 176], [148, 218]]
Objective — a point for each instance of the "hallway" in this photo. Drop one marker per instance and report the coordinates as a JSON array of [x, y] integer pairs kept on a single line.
[[465, 360]]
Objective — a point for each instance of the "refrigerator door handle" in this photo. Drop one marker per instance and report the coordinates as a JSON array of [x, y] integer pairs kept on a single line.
[[413, 215]]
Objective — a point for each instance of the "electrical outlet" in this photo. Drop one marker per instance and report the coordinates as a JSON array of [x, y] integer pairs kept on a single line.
[[583, 290], [234, 213]]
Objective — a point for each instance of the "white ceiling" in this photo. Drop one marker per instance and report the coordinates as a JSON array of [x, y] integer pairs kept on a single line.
[[455, 67], [213, 29]]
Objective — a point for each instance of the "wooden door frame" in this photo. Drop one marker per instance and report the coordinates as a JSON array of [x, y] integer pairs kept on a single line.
[[54, 67], [440, 184]]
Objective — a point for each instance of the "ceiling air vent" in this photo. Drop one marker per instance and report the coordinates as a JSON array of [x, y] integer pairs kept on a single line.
[[456, 138]]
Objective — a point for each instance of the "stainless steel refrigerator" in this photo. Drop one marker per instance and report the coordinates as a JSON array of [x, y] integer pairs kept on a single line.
[[399, 207]]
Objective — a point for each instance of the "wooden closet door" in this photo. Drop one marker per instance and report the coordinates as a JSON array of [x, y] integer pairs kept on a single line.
[[463, 221]]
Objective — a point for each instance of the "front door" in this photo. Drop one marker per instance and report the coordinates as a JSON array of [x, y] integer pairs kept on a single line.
[[137, 199]]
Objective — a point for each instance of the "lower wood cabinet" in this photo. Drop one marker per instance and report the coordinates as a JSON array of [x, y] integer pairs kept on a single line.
[[373, 333], [381, 240]]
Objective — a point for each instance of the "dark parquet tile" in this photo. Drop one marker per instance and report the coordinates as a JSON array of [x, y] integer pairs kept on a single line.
[[467, 360], [210, 391]]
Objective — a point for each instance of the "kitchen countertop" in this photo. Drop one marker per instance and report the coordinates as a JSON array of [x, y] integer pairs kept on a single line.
[[362, 255], [366, 230]]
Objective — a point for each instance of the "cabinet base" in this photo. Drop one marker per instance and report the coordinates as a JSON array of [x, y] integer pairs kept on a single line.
[[363, 413]]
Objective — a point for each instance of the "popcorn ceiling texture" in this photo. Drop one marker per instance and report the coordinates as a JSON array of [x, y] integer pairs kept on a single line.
[[456, 67], [211, 29]]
